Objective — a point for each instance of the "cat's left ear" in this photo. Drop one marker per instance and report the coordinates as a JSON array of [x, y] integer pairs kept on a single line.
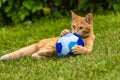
[[73, 15], [88, 18]]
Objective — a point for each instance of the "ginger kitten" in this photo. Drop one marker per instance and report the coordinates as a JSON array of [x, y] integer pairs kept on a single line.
[[46, 47]]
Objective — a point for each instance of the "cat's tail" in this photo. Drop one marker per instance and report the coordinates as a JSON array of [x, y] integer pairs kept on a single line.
[[25, 51]]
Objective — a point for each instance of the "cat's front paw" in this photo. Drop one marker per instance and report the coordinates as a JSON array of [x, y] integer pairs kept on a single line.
[[64, 32], [77, 49]]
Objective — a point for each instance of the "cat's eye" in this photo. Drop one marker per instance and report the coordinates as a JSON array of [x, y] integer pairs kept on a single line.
[[73, 26], [81, 27]]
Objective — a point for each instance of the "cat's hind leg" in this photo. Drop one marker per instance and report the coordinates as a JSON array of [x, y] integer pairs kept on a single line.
[[26, 51], [46, 51], [42, 54]]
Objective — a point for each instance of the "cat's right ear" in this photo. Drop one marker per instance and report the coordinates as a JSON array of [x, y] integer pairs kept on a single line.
[[73, 15], [89, 18]]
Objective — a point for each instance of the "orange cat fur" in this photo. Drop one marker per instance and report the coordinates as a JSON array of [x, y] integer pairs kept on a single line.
[[46, 47]]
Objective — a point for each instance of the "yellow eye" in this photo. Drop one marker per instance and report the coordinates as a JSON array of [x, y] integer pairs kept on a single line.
[[74, 26]]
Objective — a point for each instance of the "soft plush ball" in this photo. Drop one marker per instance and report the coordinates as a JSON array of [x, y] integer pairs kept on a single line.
[[65, 43]]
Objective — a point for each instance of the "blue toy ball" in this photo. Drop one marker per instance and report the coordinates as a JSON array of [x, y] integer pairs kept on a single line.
[[65, 43]]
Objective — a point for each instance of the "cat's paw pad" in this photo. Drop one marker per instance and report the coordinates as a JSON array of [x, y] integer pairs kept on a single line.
[[76, 49], [64, 32]]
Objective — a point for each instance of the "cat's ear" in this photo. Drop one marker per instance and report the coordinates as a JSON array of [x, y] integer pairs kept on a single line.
[[88, 18], [73, 15]]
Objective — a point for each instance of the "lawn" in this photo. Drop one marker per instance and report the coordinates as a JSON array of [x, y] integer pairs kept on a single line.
[[103, 63]]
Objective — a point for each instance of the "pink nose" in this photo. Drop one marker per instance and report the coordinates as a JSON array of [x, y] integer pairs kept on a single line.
[[75, 31]]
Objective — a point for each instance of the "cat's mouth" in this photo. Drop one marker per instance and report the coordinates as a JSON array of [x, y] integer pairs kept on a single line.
[[84, 35]]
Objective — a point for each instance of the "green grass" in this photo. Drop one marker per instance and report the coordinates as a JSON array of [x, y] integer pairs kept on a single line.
[[102, 64]]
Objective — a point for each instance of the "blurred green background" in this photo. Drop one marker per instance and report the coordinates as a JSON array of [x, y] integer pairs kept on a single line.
[[17, 11], [24, 22]]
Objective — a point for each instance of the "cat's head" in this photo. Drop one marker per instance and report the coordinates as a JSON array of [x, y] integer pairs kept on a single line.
[[81, 25]]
